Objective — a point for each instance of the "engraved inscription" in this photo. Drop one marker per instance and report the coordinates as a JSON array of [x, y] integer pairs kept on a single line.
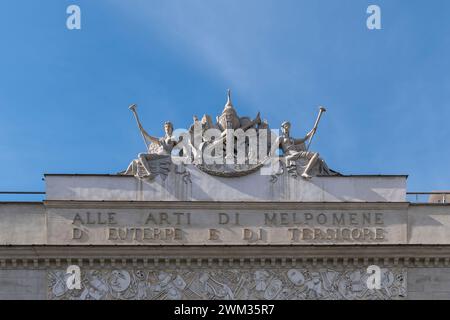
[[228, 227]]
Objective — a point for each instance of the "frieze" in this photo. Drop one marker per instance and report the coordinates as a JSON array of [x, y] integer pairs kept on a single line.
[[229, 283]]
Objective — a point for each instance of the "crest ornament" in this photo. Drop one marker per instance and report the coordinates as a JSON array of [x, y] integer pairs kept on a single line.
[[234, 146]]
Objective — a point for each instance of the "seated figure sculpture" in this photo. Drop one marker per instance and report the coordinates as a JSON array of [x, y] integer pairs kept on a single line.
[[295, 152], [157, 159]]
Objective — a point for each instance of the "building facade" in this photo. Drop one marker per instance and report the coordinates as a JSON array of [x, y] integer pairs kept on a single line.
[[165, 230]]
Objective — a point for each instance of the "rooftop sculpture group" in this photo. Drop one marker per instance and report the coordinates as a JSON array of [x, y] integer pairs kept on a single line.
[[233, 146]]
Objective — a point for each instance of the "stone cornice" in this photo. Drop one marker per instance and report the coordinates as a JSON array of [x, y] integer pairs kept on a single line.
[[228, 205], [120, 175], [42, 257]]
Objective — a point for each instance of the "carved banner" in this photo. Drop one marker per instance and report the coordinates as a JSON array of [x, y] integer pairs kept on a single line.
[[217, 227]]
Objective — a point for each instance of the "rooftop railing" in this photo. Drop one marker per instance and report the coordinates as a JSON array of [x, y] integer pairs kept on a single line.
[[26, 196], [22, 192], [428, 197]]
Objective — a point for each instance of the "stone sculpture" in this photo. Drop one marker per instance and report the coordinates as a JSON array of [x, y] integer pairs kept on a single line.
[[229, 284], [157, 160], [297, 157], [233, 146]]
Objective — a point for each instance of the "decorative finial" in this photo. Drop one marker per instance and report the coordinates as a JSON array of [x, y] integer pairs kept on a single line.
[[229, 98], [228, 108]]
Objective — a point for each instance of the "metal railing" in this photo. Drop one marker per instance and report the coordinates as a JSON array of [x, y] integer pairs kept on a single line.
[[18, 195], [22, 192], [429, 197]]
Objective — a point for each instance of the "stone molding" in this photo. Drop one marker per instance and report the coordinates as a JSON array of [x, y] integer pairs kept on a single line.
[[207, 257], [226, 205]]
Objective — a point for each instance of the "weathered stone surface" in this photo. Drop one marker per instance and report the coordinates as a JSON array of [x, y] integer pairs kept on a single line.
[[210, 226], [429, 283], [23, 284], [429, 224], [22, 223], [203, 187]]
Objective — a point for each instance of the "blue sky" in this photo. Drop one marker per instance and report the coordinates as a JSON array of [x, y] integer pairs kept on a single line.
[[64, 93]]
